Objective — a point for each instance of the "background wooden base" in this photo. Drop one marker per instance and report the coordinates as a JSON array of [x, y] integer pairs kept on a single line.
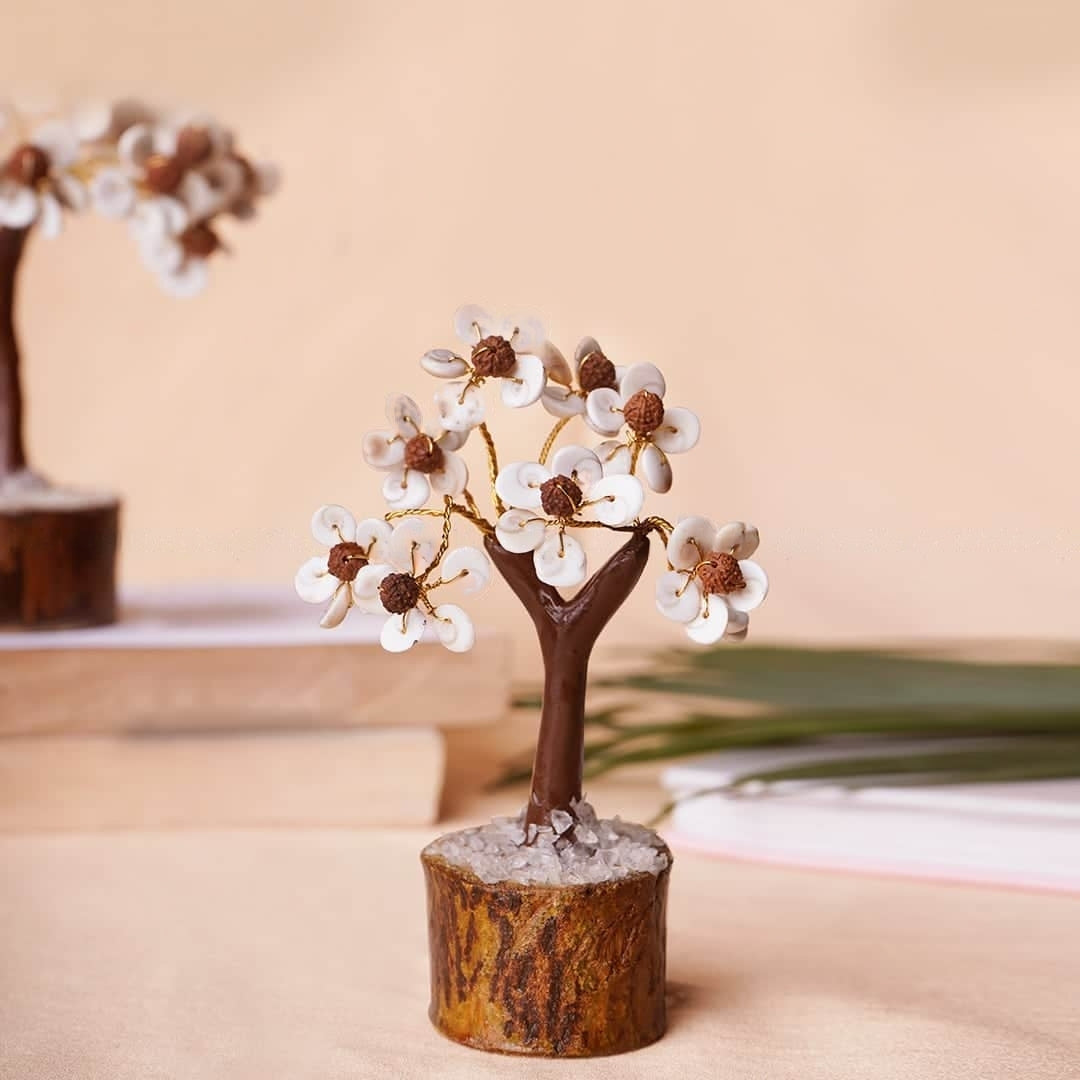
[[58, 565], [557, 971]]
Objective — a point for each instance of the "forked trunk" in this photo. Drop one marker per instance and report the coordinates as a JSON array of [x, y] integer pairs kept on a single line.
[[568, 630]]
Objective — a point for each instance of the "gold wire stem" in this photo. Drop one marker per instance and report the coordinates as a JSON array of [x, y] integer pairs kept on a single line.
[[549, 442], [447, 514], [635, 453], [493, 467], [422, 511]]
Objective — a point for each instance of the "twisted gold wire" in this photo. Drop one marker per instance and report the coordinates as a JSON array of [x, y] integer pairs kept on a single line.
[[550, 441], [493, 467]]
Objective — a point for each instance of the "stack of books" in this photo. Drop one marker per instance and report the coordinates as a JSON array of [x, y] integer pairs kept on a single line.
[[230, 706]]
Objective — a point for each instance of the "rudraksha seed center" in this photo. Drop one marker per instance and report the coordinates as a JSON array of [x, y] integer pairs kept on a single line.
[[399, 593], [720, 574], [560, 497], [423, 454], [493, 357], [644, 412], [346, 560]]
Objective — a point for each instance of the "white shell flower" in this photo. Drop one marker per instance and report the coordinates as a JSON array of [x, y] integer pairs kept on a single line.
[[416, 460], [334, 576], [503, 349], [402, 585], [652, 429], [159, 226], [713, 584], [567, 393], [545, 502], [37, 185]]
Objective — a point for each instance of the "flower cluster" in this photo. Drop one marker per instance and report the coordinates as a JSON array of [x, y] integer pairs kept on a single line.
[[388, 565], [377, 567], [170, 177]]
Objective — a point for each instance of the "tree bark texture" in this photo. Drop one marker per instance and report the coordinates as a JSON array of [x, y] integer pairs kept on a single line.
[[551, 970]]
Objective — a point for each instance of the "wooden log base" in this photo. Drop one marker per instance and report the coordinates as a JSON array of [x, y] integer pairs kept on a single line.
[[58, 562], [549, 970]]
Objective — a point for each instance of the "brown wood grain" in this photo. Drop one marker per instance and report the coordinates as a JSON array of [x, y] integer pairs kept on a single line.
[[554, 971], [58, 566]]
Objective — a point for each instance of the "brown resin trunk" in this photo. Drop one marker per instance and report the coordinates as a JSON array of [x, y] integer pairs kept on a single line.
[[57, 562], [551, 970], [567, 630]]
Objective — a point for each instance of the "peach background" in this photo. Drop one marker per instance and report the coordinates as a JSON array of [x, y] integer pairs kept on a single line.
[[846, 230]]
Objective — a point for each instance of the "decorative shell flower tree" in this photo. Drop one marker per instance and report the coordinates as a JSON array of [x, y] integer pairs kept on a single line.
[[173, 179], [547, 930]]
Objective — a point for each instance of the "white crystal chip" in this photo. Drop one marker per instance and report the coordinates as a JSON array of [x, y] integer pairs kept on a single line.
[[597, 850]]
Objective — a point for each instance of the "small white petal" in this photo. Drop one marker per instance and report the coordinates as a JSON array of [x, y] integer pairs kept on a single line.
[[383, 449], [267, 178], [113, 193], [677, 598], [642, 377], [708, 629], [729, 536], [616, 500], [555, 364], [365, 586], [525, 383], [526, 334], [50, 216], [679, 432], [59, 141], [71, 192], [187, 280], [585, 347], [460, 406], [615, 458], [562, 565], [738, 538], [737, 624], [93, 120], [451, 440], [162, 254], [443, 364], [200, 198], [757, 587], [404, 414], [412, 545], [655, 468], [520, 530], [314, 582], [518, 484], [560, 401], [333, 524], [469, 559], [749, 544], [373, 535], [18, 206], [406, 489], [136, 145], [338, 609], [455, 628], [690, 531], [464, 320], [159, 217], [453, 477], [580, 464], [603, 411], [400, 635]]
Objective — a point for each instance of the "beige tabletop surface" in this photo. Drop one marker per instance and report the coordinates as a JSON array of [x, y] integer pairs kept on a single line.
[[301, 955]]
